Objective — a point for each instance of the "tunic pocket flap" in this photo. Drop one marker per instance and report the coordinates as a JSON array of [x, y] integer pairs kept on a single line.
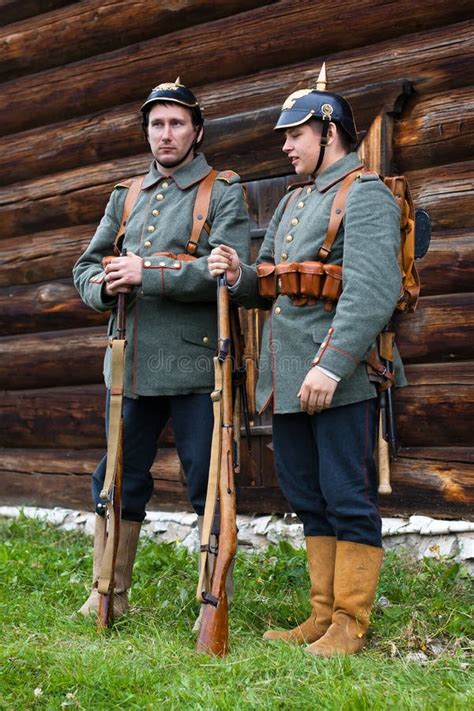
[[320, 332], [199, 337]]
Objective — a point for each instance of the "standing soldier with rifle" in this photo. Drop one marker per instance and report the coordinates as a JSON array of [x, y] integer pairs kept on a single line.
[[312, 369], [175, 215]]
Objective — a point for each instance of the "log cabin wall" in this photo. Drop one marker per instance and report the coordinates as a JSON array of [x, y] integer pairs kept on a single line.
[[73, 75]]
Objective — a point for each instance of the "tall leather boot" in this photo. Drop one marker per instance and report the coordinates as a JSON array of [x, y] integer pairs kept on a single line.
[[321, 552], [211, 559], [355, 583], [126, 552]]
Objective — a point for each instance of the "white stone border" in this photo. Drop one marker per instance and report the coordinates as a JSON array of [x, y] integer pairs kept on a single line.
[[422, 535]]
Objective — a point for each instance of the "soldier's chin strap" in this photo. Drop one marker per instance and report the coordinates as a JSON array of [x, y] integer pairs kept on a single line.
[[323, 143]]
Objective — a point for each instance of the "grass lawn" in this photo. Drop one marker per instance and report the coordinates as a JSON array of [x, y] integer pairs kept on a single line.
[[417, 658]]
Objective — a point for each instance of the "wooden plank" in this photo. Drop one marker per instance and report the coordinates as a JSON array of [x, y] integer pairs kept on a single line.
[[83, 29], [44, 256], [45, 307], [82, 141], [15, 11], [437, 407], [448, 266], [436, 130], [124, 74], [420, 486], [442, 328], [446, 192]]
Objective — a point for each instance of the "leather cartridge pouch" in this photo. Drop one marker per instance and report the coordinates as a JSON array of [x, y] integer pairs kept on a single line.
[[288, 277], [267, 281], [311, 279], [332, 285]]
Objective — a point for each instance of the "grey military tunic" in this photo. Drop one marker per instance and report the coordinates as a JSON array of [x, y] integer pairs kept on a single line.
[[367, 244], [171, 317]]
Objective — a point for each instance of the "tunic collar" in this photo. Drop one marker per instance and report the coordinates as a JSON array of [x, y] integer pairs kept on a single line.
[[337, 171], [186, 176]]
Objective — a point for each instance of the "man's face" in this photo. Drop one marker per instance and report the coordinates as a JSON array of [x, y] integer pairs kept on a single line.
[[171, 133], [302, 145]]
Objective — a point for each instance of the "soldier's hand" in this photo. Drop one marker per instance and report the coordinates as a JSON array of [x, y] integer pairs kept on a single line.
[[224, 259], [317, 391], [123, 273]]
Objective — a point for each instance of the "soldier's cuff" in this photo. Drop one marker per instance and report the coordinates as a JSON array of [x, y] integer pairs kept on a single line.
[[156, 274], [98, 299], [334, 358]]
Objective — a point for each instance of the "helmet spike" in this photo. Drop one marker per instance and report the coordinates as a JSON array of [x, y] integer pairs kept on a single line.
[[322, 81], [178, 80]]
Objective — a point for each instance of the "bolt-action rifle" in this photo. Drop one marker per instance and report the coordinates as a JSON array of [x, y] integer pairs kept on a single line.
[[111, 494], [213, 633], [387, 446]]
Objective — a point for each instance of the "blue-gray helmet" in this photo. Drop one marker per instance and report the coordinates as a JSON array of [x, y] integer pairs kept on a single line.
[[305, 104], [174, 93]]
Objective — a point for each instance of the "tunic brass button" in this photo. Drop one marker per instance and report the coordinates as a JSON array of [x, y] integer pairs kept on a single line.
[[308, 190], [164, 184], [301, 204], [162, 264], [150, 228], [159, 196], [289, 238], [294, 221], [205, 339], [147, 243], [177, 264], [284, 256], [147, 264], [278, 310], [155, 213]]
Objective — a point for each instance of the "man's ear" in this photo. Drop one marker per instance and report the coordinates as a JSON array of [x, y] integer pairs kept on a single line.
[[200, 134], [332, 133]]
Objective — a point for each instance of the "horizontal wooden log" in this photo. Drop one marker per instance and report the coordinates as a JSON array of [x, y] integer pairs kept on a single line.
[[446, 192], [14, 11], [83, 29], [247, 137], [437, 407], [122, 75], [45, 307], [435, 131], [448, 266], [442, 328], [44, 256], [72, 357], [79, 196], [422, 485]]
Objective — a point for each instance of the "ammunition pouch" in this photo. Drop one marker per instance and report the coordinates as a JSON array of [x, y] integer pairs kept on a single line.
[[303, 282]]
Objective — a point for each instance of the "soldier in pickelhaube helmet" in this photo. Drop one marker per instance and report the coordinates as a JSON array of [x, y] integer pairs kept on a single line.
[[330, 279], [171, 310]]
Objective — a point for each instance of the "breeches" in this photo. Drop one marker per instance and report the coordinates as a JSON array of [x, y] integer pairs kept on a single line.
[[144, 420], [326, 469]]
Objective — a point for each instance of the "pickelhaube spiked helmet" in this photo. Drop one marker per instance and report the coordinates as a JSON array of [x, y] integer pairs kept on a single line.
[[175, 93], [304, 104]]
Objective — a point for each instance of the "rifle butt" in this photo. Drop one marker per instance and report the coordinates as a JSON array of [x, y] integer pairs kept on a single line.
[[383, 461], [213, 636], [105, 614]]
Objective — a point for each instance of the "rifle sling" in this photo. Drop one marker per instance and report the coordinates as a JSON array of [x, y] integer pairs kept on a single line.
[[213, 482], [114, 456]]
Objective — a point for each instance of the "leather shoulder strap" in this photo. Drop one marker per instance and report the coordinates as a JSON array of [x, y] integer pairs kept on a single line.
[[201, 210], [337, 213], [134, 186]]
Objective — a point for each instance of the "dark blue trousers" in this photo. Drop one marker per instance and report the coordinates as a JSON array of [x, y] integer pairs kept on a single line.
[[326, 469], [144, 420]]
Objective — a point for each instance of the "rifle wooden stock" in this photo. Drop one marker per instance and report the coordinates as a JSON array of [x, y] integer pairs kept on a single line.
[[213, 634], [111, 494], [383, 457]]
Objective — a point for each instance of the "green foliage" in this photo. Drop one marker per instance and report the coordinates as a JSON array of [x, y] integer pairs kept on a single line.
[[53, 659]]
